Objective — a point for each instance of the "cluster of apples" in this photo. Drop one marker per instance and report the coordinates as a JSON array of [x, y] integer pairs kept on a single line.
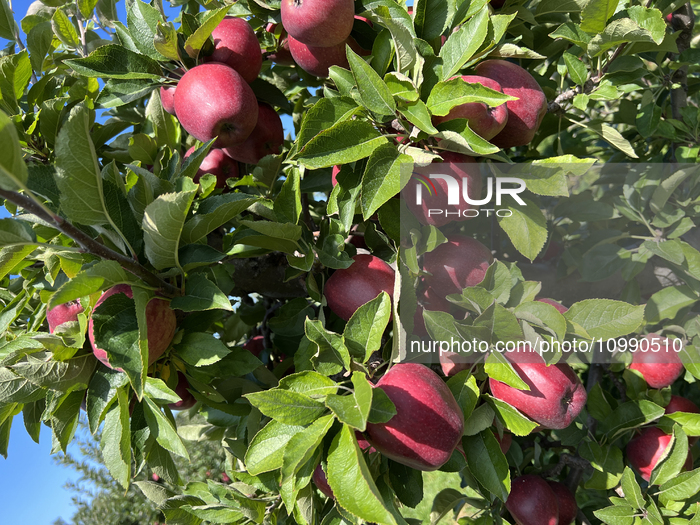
[[660, 370], [214, 99], [161, 324], [317, 32]]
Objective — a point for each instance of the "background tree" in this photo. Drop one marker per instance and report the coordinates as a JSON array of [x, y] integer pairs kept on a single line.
[[169, 249]]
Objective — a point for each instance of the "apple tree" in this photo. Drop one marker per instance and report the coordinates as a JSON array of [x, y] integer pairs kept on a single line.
[[171, 246]]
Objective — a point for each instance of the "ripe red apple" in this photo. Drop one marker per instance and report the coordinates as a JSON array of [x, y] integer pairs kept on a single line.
[[460, 262], [266, 139], [255, 345], [681, 404], [556, 395], [363, 443], [160, 324], [659, 368], [532, 502], [167, 98], [218, 164], [187, 400], [350, 288], [428, 423], [63, 313], [560, 307], [525, 114], [236, 45], [484, 120], [317, 60], [568, 508], [334, 175], [645, 450], [497, 4], [319, 23], [433, 203], [214, 100], [321, 481]]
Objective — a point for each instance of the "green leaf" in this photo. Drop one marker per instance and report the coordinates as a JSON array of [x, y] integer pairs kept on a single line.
[[324, 115], [196, 40], [163, 429], [16, 232], [375, 94], [461, 46], [285, 406], [526, 228], [618, 32], [266, 450], [15, 73], [363, 332], [8, 26], [201, 294], [432, 17], [670, 464], [332, 355], [142, 20], [401, 87], [114, 61], [165, 41], [456, 135], [682, 487], [384, 175], [500, 369], [607, 463], [596, 15], [309, 383], [13, 170], [353, 409], [344, 143], [649, 19], [102, 392], [668, 302], [39, 40], [451, 93], [577, 69], [465, 390], [487, 463], [163, 222], [383, 408], [165, 125], [395, 18], [606, 319], [417, 114], [101, 276], [352, 482], [629, 415], [86, 7], [116, 441], [511, 417], [64, 29], [631, 489], [201, 349], [610, 135], [617, 515], [213, 213]]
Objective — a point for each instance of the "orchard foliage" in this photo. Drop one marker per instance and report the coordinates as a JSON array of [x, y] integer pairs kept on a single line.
[[92, 171]]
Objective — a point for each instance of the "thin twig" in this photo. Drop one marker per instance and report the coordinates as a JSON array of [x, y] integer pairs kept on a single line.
[[81, 27], [87, 243]]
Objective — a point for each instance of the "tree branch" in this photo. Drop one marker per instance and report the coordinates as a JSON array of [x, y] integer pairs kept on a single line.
[[684, 21], [88, 244]]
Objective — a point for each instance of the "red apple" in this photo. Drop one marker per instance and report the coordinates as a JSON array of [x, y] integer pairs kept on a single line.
[[498, 4], [319, 23], [428, 423], [560, 307], [266, 139], [658, 363], [350, 288], [160, 324], [216, 163], [681, 404], [431, 301], [363, 443], [645, 450], [568, 508], [63, 313], [214, 100], [334, 175], [236, 45], [187, 400], [484, 120], [255, 345], [167, 98], [556, 395], [460, 262], [525, 114], [532, 501], [434, 208], [318, 60], [321, 481]]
